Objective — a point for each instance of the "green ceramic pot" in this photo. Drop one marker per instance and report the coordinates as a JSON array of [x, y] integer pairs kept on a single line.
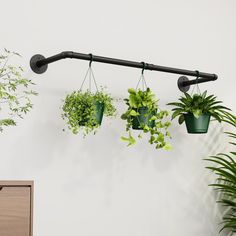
[[99, 112], [197, 125], [142, 119], [99, 109]]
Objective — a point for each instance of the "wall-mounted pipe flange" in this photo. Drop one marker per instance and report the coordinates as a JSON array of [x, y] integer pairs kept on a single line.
[[36, 68], [181, 84]]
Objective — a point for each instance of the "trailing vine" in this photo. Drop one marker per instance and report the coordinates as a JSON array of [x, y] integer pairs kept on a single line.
[[80, 108], [156, 124]]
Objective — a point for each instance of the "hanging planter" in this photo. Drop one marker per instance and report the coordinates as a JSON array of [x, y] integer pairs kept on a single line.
[[143, 118], [196, 111], [197, 125], [144, 114], [85, 110], [98, 109]]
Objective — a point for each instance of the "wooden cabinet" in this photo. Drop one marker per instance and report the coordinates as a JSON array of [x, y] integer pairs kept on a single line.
[[16, 208]]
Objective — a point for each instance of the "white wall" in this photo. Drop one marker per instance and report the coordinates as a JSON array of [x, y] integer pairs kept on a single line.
[[98, 186]]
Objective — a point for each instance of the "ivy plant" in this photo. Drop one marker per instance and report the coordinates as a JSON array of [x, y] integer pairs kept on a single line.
[[158, 131], [197, 105], [79, 110], [15, 91]]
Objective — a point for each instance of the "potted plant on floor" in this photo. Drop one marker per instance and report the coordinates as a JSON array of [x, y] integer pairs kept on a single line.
[[144, 114], [15, 91], [224, 166], [196, 111], [84, 110]]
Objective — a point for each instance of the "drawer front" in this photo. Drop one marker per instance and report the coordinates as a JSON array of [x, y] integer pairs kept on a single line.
[[15, 211]]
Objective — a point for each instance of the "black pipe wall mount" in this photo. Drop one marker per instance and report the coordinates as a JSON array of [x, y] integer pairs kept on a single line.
[[39, 65]]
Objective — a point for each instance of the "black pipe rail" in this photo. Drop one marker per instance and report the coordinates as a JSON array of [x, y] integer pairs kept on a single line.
[[39, 65]]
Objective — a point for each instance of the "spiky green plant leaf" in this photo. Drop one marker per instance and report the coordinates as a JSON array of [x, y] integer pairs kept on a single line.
[[198, 104], [225, 169]]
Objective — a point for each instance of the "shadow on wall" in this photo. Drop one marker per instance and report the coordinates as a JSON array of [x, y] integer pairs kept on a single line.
[[42, 150], [38, 139], [105, 156], [218, 143], [101, 164]]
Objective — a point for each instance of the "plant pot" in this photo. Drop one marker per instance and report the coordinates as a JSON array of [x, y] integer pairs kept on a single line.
[[197, 125], [142, 119], [99, 109]]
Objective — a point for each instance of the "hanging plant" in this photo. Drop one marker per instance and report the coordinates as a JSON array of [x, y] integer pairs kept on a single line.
[[144, 114], [196, 111], [15, 91], [84, 110]]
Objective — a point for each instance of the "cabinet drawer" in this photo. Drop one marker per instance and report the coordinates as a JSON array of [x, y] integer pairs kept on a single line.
[[15, 210]]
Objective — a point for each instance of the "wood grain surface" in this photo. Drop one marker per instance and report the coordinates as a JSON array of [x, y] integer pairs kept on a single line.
[[15, 210]]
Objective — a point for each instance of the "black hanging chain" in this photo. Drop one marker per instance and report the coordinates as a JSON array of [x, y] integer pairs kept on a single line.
[[196, 86], [142, 78], [90, 75]]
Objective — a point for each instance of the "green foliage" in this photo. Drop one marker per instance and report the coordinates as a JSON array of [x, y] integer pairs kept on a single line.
[[14, 91], [225, 169], [198, 104], [79, 110], [229, 118], [159, 132]]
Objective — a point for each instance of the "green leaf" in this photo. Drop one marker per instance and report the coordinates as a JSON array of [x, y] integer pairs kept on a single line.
[[130, 139], [7, 122], [133, 113], [124, 138], [132, 91], [204, 94], [167, 147], [181, 119], [177, 104], [176, 113], [133, 101], [15, 91], [124, 116], [197, 113], [187, 96]]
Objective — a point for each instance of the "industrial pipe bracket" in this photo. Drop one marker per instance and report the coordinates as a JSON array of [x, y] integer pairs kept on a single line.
[[39, 65]]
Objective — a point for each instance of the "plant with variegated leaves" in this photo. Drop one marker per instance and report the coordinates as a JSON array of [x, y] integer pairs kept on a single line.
[[197, 105]]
